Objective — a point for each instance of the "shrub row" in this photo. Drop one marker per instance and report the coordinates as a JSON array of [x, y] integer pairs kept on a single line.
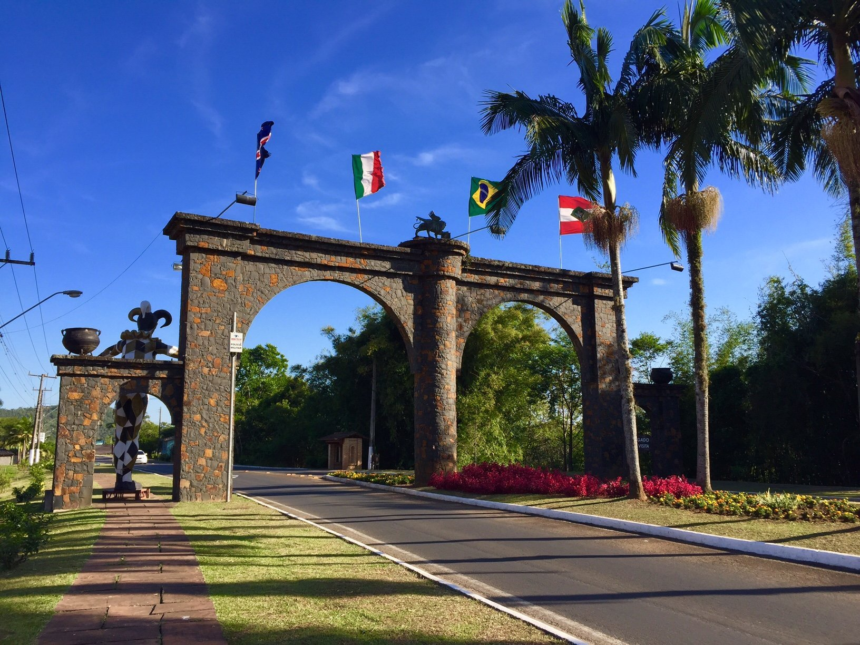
[[387, 479], [781, 506], [497, 479], [23, 531]]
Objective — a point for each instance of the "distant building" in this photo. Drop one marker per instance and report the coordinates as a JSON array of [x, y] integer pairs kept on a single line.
[[345, 450], [8, 457]]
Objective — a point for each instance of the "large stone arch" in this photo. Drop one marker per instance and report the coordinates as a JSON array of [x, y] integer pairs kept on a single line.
[[433, 290], [391, 297]]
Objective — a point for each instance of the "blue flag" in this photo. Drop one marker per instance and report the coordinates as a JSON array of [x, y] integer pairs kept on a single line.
[[263, 137]]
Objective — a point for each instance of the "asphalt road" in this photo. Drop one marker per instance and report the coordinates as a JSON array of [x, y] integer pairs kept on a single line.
[[599, 585]]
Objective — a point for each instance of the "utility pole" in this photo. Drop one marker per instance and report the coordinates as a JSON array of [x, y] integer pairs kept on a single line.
[[35, 453], [372, 449]]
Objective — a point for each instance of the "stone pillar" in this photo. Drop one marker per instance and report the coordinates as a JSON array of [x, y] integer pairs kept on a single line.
[[662, 404], [601, 395], [436, 356], [212, 290], [80, 405]]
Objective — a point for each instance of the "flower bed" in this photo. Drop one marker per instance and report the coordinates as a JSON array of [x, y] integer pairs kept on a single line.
[[387, 479], [496, 479], [781, 506]]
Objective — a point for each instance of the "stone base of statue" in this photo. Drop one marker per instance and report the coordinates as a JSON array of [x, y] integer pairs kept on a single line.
[[127, 487], [117, 493]]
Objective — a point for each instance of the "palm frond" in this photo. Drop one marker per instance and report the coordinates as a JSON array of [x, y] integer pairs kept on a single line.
[[503, 110], [654, 44], [579, 36], [532, 173], [704, 30], [796, 139]]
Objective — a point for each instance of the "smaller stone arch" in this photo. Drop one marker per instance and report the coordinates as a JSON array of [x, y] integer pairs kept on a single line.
[[473, 304], [88, 384]]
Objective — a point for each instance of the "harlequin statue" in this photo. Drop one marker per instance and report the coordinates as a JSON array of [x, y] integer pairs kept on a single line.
[[130, 408]]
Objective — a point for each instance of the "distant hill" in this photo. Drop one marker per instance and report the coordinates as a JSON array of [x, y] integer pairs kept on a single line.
[[49, 418]]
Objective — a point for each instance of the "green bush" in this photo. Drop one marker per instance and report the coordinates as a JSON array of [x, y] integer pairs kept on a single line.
[[5, 479], [23, 531], [34, 489], [387, 479]]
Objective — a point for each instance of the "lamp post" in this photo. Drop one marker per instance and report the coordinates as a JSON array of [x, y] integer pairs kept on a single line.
[[675, 266], [72, 293]]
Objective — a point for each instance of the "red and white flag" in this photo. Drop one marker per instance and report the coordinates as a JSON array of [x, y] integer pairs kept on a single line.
[[567, 223]]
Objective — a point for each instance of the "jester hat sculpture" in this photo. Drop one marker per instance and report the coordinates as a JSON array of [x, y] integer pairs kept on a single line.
[[130, 408]]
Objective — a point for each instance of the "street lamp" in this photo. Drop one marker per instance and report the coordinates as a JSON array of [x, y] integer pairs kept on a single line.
[[675, 266], [72, 293]]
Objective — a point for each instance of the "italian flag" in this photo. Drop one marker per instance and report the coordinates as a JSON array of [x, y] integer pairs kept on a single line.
[[567, 223], [367, 172]]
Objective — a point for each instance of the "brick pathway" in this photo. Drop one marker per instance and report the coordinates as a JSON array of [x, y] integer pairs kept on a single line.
[[141, 584]]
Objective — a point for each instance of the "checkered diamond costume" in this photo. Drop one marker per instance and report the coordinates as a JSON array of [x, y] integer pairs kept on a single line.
[[130, 408]]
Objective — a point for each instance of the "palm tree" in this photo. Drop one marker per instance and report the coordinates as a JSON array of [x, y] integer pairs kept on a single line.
[[710, 113], [822, 127], [582, 150], [19, 435]]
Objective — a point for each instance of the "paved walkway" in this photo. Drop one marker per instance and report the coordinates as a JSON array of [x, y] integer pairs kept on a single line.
[[141, 585]]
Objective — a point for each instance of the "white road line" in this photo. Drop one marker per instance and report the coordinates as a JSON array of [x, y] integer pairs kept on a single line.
[[598, 637]]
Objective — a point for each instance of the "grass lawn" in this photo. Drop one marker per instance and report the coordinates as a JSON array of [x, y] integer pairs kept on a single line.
[[274, 579], [828, 536], [20, 478], [29, 592]]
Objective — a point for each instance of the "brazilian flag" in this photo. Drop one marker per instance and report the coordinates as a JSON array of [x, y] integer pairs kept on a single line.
[[481, 196]]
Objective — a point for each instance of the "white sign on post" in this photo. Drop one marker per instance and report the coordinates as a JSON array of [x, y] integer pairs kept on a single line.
[[236, 340]]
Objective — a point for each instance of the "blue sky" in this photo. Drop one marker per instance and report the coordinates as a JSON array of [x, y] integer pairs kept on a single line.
[[123, 113]]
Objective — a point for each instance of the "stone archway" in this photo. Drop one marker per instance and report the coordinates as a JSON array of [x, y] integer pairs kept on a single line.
[[433, 291], [87, 385]]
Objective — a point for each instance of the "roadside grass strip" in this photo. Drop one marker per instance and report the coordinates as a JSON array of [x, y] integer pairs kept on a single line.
[[274, 579], [832, 544], [30, 591]]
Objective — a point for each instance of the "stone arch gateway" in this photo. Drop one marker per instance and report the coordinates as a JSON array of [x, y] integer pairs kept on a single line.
[[433, 290]]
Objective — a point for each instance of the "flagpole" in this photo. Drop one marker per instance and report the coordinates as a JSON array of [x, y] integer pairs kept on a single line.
[[469, 234], [255, 200], [358, 210], [560, 263]]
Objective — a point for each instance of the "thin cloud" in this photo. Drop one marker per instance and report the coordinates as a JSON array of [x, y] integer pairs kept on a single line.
[[390, 199], [311, 181], [444, 80], [451, 152], [659, 282], [197, 39], [320, 216]]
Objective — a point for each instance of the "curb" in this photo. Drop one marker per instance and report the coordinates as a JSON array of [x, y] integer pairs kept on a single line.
[[534, 622], [799, 554]]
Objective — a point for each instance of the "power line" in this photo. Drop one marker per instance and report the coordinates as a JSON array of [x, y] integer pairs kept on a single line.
[[100, 291], [15, 167], [29, 239], [26, 324]]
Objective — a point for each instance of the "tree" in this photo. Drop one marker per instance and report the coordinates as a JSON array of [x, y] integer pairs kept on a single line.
[[17, 433], [582, 150], [500, 403], [820, 128], [645, 349], [710, 113]]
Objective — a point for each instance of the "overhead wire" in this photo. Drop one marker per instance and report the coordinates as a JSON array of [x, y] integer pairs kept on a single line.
[[29, 241], [104, 288]]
